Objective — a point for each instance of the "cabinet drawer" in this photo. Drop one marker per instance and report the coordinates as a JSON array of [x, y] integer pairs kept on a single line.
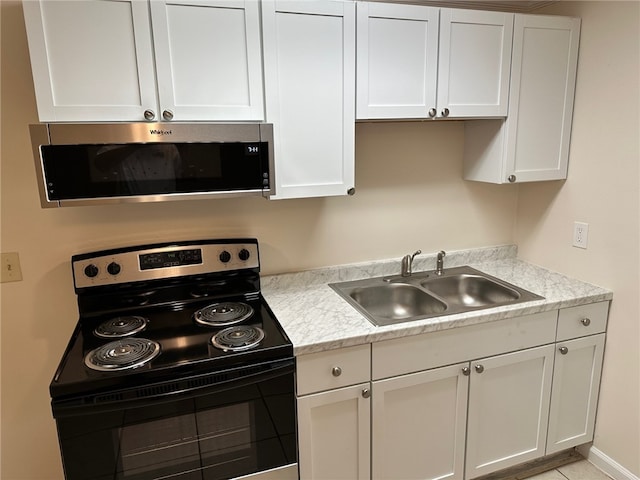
[[582, 320], [333, 369], [445, 347]]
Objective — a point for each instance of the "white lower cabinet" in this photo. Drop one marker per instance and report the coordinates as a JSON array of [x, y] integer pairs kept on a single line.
[[454, 404], [334, 434], [508, 409], [576, 381], [418, 425]]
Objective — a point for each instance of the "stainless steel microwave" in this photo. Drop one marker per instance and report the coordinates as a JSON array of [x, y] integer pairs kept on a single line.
[[102, 163]]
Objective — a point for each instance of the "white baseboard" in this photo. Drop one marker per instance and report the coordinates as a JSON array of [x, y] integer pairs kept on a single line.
[[606, 463]]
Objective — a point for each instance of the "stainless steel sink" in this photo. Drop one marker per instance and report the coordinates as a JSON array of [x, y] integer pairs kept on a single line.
[[391, 300], [395, 302], [470, 290]]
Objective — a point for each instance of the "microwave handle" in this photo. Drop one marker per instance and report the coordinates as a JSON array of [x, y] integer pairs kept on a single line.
[[169, 391]]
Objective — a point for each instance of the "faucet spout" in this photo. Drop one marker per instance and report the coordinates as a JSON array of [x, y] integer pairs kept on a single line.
[[440, 262], [407, 264]]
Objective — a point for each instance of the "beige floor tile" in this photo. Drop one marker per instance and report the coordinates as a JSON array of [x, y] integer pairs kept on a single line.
[[550, 475], [583, 470]]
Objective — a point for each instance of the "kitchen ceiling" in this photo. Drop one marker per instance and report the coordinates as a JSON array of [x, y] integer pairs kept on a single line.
[[501, 5]]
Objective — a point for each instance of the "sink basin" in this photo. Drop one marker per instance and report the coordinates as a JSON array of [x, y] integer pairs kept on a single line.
[[391, 300], [470, 290], [395, 302]]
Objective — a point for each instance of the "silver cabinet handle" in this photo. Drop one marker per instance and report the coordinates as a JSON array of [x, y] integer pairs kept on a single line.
[[351, 191], [585, 321], [511, 178], [366, 393], [432, 112], [466, 371], [563, 350], [445, 112], [336, 371], [167, 115], [479, 368], [149, 114]]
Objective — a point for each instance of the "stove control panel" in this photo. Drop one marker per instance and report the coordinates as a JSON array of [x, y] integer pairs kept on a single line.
[[133, 265]]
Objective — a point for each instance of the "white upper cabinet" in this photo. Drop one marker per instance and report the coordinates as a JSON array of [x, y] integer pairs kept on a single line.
[[96, 60], [91, 60], [309, 63], [532, 144], [474, 63], [208, 58], [419, 62], [397, 60]]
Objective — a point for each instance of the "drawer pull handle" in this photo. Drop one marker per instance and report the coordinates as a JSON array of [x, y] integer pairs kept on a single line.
[[585, 321], [563, 350], [466, 371], [336, 371], [366, 393], [479, 368]]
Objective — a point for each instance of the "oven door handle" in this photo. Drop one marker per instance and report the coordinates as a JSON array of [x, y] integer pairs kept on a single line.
[[172, 390]]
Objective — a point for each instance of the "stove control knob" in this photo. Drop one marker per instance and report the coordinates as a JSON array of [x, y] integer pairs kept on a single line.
[[91, 270], [225, 256], [244, 254], [114, 268]]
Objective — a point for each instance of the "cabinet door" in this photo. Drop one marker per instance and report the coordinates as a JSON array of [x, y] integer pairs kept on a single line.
[[91, 60], [545, 58], [397, 60], [532, 144], [334, 434], [474, 63], [309, 62], [209, 59], [508, 409], [418, 425], [576, 383]]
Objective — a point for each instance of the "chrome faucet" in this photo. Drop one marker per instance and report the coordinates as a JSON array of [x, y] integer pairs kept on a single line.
[[440, 262], [407, 263]]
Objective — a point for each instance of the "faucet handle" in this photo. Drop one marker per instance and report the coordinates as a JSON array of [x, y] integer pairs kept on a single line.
[[440, 262], [418, 252]]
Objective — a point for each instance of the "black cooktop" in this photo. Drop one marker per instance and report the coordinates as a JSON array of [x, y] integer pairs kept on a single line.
[[166, 304], [185, 349]]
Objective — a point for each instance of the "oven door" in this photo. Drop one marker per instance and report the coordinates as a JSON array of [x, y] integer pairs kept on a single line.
[[234, 429]]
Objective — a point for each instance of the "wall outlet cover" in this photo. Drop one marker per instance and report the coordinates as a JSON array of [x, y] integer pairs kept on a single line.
[[580, 234]]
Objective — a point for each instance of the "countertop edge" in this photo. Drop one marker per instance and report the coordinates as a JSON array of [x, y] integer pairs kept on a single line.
[[317, 319]]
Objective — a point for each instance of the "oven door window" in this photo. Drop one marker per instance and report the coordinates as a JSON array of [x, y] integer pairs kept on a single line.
[[218, 436], [94, 171]]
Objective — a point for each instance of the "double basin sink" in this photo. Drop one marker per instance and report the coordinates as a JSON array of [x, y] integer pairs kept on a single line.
[[390, 300]]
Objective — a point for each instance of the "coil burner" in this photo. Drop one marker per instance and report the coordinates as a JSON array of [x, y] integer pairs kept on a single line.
[[223, 314], [238, 338], [120, 327], [122, 354]]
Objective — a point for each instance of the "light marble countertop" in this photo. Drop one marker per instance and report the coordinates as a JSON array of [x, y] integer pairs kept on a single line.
[[316, 318]]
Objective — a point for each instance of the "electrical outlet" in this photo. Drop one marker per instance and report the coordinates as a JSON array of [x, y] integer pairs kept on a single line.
[[10, 264], [580, 234]]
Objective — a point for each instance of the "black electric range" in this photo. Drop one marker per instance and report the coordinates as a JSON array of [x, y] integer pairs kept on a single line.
[[176, 368]]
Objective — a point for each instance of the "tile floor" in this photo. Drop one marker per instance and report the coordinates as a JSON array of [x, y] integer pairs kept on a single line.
[[580, 470]]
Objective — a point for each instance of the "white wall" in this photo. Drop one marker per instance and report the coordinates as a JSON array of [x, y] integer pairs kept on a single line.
[[410, 195], [602, 190]]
